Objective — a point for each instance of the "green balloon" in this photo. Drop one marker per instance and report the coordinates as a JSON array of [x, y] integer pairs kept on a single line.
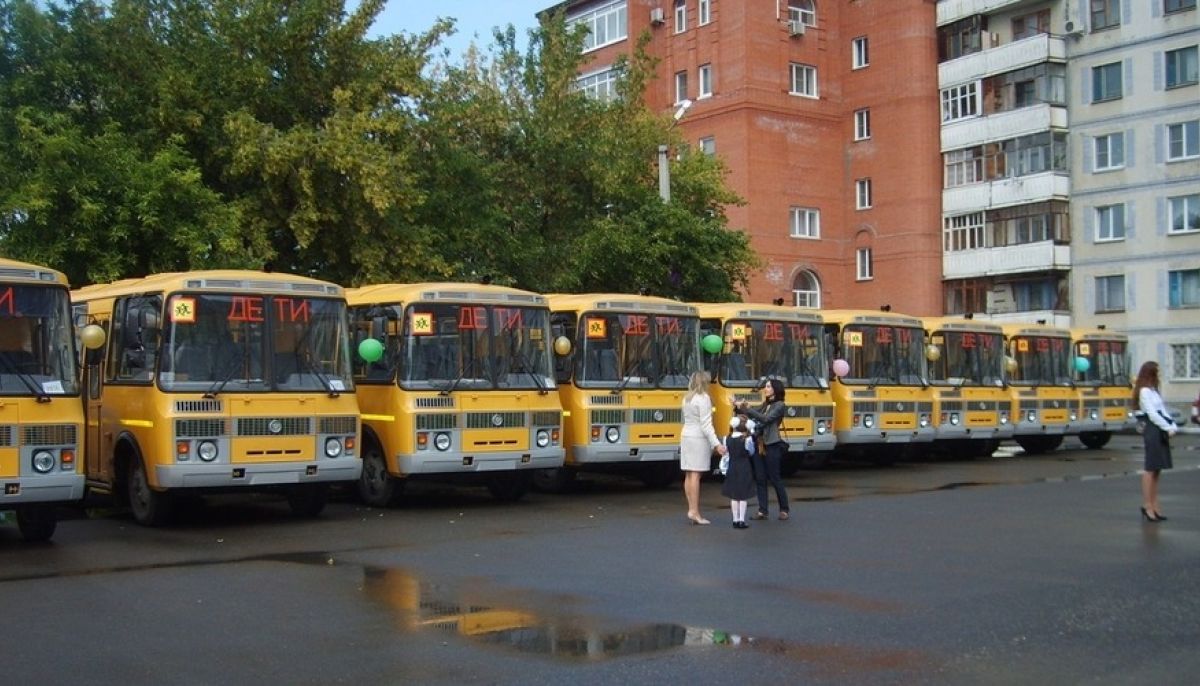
[[712, 344], [370, 350]]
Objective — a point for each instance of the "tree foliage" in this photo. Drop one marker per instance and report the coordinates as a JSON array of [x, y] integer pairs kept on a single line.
[[154, 135]]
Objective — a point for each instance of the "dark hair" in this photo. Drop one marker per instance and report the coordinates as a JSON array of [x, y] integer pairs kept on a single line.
[[1147, 378], [777, 389]]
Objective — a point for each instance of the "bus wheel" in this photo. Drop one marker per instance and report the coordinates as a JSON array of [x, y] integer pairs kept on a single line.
[[376, 487], [1036, 445], [509, 487], [37, 522], [555, 480], [987, 448], [149, 507], [1095, 440], [307, 500], [660, 474]]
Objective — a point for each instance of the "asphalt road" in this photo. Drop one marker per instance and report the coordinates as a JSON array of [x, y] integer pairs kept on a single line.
[[1009, 570]]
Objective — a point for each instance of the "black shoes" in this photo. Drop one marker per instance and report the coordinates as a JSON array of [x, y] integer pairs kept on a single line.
[[741, 525], [761, 515], [1152, 517]]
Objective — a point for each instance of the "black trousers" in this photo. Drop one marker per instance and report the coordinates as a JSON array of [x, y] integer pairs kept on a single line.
[[766, 468]]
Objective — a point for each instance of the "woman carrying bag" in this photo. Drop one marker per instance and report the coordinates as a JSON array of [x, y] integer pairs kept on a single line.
[[1159, 427], [769, 417]]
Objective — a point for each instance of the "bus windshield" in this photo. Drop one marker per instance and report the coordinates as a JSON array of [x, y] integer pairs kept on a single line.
[[636, 350], [1042, 360], [881, 354], [792, 352], [448, 347], [224, 342], [1109, 363], [969, 358], [37, 343]]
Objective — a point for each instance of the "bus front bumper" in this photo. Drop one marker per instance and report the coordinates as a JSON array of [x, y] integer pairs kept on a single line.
[[874, 436], [619, 453], [50, 488], [811, 444], [452, 462], [1039, 429], [251, 474], [974, 433]]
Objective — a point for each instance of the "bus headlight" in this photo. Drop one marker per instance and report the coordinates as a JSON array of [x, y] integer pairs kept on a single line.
[[1003, 418], [442, 442], [543, 438], [207, 450], [1094, 414], [821, 427], [43, 461], [333, 447], [868, 420], [1031, 416], [923, 421], [954, 418], [612, 434], [1074, 415], [791, 412]]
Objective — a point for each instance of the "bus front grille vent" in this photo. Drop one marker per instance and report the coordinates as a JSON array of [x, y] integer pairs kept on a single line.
[[436, 403], [198, 406], [50, 434], [6, 436], [269, 426], [199, 428], [337, 425]]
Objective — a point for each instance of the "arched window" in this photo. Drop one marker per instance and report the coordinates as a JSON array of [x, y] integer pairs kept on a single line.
[[803, 11], [806, 290]]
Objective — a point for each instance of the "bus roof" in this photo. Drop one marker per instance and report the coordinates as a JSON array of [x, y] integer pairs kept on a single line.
[[390, 293], [758, 311], [1025, 329], [1093, 334], [843, 317], [961, 324], [15, 271], [620, 302], [222, 280]]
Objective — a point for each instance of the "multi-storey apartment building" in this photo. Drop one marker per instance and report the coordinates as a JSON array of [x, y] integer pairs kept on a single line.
[[825, 113], [1135, 186]]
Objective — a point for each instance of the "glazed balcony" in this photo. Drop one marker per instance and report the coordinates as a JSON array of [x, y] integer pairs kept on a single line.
[[1003, 126], [1008, 57], [1018, 190]]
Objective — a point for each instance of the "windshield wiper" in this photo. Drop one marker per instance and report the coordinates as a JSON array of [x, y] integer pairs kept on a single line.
[[458, 376], [627, 377], [236, 365], [524, 365], [26, 378]]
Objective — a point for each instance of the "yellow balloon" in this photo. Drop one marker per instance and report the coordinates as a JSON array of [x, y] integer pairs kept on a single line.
[[562, 345], [933, 353], [92, 336], [1010, 364]]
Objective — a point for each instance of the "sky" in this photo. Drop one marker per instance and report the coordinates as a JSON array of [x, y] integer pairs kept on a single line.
[[474, 19]]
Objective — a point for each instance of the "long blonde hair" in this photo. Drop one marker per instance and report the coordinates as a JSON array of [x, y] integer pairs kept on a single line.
[[697, 385]]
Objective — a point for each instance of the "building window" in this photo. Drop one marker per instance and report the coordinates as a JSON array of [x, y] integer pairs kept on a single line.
[[1033, 154], [960, 102], [705, 11], [964, 232], [963, 37], [966, 295], [708, 145], [1185, 361], [1032, 223], [1106, 82], [1042, 83], [806, 290], [1178, 5], [706, 81], [1184, 213], [1110, 223], [1110, 151], [862, 194], [862, 124], [866, 270], [601, 86], [1105, 14], [1031, 24], [1183, 288], [680, 16], [1181, 67], [681, 91], [963, 167], [605, 25], [806, 222], [858, 52], [1110, 293], [804, 80], [1183, 140], [803, 11]]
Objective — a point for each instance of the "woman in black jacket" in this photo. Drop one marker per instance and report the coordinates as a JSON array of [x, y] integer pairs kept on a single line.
[[769, 417]]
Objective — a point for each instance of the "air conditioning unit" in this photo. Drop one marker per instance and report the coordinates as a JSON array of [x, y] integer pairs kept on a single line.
[[657, 16], [1000, 299], [795, 27]]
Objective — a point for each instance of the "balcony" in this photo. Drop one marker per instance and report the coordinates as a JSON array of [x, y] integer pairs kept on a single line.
[[1010, 259], [953, 10], [1056, 318], [1002, 126], [1015, 55], [1018, 190]]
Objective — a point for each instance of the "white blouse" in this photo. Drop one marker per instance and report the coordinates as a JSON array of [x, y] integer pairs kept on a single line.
[[697, 419], [1151, 403]]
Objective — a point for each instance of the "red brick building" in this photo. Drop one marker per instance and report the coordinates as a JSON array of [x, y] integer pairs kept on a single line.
[[826, 113]]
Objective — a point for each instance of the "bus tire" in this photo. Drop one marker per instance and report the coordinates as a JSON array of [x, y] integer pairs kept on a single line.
[[37, 522], [308, 500], [1036, 445], [509, 487], [554, 480], [1095, 440], [376, 487], [149, 507], [660, 474]]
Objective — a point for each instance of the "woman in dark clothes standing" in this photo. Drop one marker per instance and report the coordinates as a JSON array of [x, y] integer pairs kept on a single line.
[[739, 480], [769, 417], [1159, 427]]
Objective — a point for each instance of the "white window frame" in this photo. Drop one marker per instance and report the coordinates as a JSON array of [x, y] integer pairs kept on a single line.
[[706, 82], [960, 102], [1185, 352], [601, 85], [704, 11], [1110, 223], [708, 145], [962, 167], [1109, 151], [862, 124], [862, 194], [803, 11], [1184, 206], [681, 86], [860, 55], [864, 265], [613, 16], [1185, 140], [807, 299], [803, 80], [805, 222], [1107, 285], [680, 16], [963, 232]]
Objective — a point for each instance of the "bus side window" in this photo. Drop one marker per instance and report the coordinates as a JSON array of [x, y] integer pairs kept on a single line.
[[563, 324], [137, 330], [708, 361]]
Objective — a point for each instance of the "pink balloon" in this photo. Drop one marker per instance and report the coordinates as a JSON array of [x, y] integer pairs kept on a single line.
[[841, 367]]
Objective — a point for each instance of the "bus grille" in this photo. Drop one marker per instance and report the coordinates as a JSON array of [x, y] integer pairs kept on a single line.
[[608, 416], [197, 428], [610, 399], [337, 425], [6, 436], [435, 422], [261, 426], [495, 420], [864, 407], [191, 406], [951, 406], [436, 403], [1116, 402], [50, 434], [547, 418], [1028, 405], [642, 416], [823, 412]]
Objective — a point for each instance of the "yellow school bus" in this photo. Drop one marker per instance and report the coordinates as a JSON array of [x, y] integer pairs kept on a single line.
[[1041, 381], [464, 388], [1104, 384], [972, 405], [764, 342], [884, 404], [41, 415], [622, 384], [219, 380]]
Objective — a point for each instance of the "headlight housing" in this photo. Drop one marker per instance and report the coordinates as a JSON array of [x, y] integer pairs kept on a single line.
[[821, 427], [1003, 418], [868, 420], [43, 461], [954, 418], [542, 438], [1031, 416], [1094, 414], [442, 442], [333, 447], [207, 451], [612, 434], [923, 421]]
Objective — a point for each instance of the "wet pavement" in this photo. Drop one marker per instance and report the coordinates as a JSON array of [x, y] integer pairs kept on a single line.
[[1010, 569]]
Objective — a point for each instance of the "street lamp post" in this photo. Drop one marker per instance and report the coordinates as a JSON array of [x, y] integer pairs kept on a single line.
[[664, 161]]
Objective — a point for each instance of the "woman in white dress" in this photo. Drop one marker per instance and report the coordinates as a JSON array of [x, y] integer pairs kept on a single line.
[[697, 442]]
